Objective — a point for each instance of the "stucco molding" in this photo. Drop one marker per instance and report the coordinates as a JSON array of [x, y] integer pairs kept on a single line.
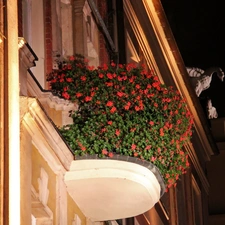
[[46, 97], [46, 138]]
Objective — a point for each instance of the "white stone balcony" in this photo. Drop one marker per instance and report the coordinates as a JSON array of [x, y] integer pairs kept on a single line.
[[110, 189]]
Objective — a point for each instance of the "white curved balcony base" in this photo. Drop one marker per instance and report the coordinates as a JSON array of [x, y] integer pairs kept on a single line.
[[111, 189]]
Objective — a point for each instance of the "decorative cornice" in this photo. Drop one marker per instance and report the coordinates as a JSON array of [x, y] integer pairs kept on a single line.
[[46, 137], [46, 97]]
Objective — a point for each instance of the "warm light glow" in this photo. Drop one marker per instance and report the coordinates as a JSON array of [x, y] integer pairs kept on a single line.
[[13, 114], [14, 148], [21, 42], [0, 40]]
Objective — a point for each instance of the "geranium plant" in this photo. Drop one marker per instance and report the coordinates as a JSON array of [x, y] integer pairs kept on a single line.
[[124, 110]]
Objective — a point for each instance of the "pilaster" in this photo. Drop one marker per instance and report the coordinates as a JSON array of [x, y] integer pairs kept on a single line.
[[79, 34]]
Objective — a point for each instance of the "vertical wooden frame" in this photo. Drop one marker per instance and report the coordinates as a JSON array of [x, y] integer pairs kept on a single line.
[[1, 113], [197, 202]]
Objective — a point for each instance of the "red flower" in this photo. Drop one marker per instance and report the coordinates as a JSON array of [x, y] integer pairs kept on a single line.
[[109, 75], [132, 79], [153, 158], [92, 93], [91, 68], [120, 94], [86, 60], [53, 81], [148, 147], [109, 104], [178, 121], [65, 88], [146, 91], [138, 86], [133, 92], [104, 152], [78, 94], [81, 146], [151, 123], [156, 85], [132, 129], [137, 108], [117, 132], [155, 78], [120, 78], [69, 79], [161, 132], [109, 84], [103, 130], [83, 78], [133, 147], [101, 75], [71, 58], [66, 95], [110, 122], [181, 153], [105, 67], [113, 109], [113, 64], [127, 106], [130, 66], [187, 164], [88, 98], [110, 154]]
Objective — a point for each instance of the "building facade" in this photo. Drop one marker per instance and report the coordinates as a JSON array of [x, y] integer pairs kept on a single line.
[[34, 36]]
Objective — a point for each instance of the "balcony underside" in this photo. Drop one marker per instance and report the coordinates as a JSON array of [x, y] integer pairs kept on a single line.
[[112, 189]]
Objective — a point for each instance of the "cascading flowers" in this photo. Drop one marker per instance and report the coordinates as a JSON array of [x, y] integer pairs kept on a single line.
[[124, 110]]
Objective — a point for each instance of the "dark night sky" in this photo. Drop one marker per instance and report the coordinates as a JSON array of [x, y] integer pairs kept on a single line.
[[199, 30]]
